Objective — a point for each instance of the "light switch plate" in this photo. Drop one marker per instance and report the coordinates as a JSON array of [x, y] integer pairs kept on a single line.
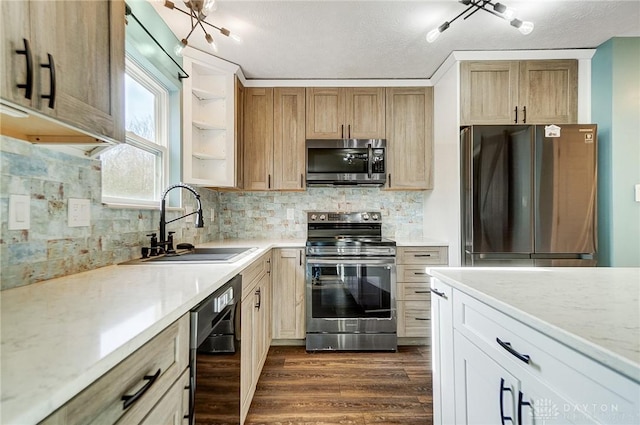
[[19, 212], [213, 215], [79, 212]]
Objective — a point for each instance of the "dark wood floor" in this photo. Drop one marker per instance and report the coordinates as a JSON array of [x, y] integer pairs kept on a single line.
[[343, 388]]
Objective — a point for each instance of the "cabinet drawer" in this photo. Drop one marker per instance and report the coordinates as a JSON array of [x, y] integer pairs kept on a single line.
[[101, 403], [173, 408], [414, 318], [255, 270], [550, 362], [413, 274], [414, 291], [423, 255]]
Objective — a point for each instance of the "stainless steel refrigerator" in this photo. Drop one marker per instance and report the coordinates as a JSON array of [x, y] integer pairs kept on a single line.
[[529, 195]]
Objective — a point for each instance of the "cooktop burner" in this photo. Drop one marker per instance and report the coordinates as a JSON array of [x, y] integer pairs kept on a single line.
[[344, 229]]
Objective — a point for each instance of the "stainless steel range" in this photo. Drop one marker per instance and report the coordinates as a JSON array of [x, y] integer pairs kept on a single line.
[[350, 282]]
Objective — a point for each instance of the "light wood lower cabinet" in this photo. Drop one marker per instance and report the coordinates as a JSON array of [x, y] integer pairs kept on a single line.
[[288, 293], [413, 293], [173, 408], [166, 355], [255, 334]]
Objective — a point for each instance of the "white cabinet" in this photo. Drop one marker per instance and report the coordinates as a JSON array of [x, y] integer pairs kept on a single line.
[[506, 368], [209, 153], [441, 352]]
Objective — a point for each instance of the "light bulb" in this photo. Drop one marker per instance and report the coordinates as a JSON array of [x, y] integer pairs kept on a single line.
[[509, 14], [211, 42], [209, 6], [526, 27], [435, 33], [180, 47]]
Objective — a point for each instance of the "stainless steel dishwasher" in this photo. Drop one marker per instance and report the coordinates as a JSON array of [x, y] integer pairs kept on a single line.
[[215, 357]]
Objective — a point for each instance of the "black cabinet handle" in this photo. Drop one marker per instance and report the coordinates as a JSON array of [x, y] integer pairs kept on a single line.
[[421, 318], [524, 112], [502, 390], [422, 292], [269, 181], [342, 131], [507, 346], [349, 131], [259, 302], [301, 181], [52, 80], [420, 274], [422, 255], [130, 399], [300, 254], [520, 404], [389, 178], [516, 120], [438, 293], [28, 85]]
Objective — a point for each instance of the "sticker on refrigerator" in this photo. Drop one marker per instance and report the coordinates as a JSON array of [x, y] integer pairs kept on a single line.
[[588, 138], [551, 131]]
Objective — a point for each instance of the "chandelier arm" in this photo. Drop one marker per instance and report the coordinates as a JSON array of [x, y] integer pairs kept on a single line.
[[465, 11]]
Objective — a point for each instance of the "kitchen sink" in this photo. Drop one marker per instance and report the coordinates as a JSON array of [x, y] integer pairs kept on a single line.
[[198, 256]]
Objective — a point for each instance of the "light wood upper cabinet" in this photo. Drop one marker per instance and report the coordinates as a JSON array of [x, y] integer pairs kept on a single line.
[[337, 113], [288, 293], [549, 91], [410, 137], [274, 155], [519, 92], [258, 138], [288, 138], [77, 62]]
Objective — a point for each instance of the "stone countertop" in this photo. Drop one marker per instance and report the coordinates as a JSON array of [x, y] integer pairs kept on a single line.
[[595, 311], [59, 336]]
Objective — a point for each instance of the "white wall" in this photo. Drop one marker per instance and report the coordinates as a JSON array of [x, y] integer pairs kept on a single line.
[[442, 204]]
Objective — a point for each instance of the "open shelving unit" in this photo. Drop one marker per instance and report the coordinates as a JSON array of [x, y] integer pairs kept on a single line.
[[208, 137]]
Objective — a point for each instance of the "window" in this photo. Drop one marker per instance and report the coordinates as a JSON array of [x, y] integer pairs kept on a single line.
[[136, 171]]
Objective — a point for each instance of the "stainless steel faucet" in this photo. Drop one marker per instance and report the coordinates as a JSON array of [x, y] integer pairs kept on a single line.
[[165, 243]]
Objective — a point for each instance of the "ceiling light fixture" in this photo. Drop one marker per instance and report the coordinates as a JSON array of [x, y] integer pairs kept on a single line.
[[198, 11], [497, 9]]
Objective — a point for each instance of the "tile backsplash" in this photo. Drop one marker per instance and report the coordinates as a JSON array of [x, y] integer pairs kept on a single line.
[[264, 214], [50, 248]]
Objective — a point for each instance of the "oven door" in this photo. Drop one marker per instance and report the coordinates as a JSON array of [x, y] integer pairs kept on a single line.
[[347, 295]]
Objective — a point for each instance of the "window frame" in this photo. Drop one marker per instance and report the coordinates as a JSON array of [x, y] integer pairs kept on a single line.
[[159, 148]]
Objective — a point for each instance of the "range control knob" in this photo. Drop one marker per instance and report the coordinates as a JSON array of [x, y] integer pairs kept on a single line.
[[375, 217], [323, 217], [313, 217], [365, 216]]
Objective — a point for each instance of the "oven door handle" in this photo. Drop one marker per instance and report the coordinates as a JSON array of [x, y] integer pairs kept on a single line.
[[369, 261]]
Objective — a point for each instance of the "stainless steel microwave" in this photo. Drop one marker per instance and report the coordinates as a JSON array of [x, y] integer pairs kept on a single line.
[[346, 162]]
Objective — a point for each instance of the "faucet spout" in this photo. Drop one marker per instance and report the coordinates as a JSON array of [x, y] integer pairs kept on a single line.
[[163, 220]]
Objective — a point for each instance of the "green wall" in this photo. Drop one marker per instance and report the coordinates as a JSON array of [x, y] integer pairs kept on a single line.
[[615, 88]]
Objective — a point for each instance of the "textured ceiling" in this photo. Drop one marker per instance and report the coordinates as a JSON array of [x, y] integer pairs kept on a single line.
[[371, 39]]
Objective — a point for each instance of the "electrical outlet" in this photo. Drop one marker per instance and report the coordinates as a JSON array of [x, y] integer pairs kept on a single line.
[[213, 215], [19, 212], [79, 212]]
